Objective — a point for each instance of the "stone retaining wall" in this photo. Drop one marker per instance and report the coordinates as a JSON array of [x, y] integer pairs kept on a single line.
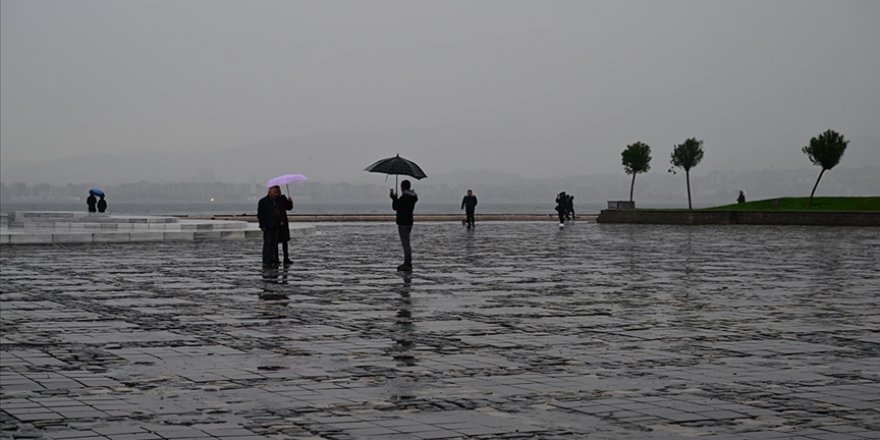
[[312, 218], [684, 217]]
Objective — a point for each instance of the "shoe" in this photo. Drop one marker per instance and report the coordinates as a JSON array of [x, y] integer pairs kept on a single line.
[[562, 225], [404, 268], [287, 262]]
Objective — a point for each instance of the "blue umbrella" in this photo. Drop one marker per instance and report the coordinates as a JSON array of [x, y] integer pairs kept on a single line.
[[96, 191]]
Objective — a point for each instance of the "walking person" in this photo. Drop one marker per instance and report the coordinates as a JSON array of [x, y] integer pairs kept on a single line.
[[92, 202], [285, 203], [102, 204], [404, 206], [469, 204], [269, 217], [570, 206], [561, 207]]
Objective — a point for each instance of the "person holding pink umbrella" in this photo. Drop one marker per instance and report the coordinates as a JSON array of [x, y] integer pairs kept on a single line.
[[269, 217], [285, 203], [281, 205]]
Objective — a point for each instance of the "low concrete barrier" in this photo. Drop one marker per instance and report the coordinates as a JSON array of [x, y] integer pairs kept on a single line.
[[697, 217], [67, 228]]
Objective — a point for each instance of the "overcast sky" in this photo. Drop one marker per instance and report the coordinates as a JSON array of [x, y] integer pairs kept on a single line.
[[578, 79]]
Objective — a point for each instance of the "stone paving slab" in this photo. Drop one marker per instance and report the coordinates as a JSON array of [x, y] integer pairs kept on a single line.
[[513, 331]]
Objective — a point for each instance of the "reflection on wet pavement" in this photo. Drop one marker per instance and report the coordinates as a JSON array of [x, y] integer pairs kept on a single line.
[[514, 330]]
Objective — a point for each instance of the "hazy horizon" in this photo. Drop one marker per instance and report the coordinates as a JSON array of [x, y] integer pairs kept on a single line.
[[248, 90]]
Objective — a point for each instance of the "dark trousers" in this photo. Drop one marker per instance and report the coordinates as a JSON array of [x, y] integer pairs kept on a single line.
[[471, 222], [284, 250], [270, 246], [561, 216], [404, 231]]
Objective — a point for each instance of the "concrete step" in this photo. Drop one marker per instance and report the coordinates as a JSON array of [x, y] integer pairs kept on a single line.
[[58, 228]]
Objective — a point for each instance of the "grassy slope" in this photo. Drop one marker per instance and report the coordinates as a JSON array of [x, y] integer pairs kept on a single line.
[[800, 204]]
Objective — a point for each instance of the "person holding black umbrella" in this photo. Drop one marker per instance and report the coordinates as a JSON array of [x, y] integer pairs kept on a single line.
[[404, 205]]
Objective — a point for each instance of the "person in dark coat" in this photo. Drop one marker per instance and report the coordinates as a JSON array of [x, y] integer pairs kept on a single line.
[[404, 206], [102, 204], [569, 207], [269, 217], [285, 203], [92, 202], [741, 198], [469, 204], [561, 207]]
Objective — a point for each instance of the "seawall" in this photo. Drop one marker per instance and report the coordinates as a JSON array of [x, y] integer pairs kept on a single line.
[[698, 217], [315, 218]]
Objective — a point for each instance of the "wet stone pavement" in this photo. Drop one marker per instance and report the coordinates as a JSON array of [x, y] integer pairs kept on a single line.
[[513, 331]]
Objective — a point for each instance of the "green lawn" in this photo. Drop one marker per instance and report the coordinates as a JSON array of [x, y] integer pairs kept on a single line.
[[800, 204]]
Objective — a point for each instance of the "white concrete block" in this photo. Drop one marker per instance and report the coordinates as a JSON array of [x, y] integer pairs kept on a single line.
[[115, 237], [179, 236], [148, 236], [27, 238], [207, 235], [232, 235], [72, 237]]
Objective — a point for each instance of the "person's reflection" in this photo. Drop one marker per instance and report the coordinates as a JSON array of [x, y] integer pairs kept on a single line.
[[470, 255], [403, 329], [274, 282]]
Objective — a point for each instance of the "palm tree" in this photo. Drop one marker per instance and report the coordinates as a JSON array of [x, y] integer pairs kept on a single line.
[[687, 156], [825, 151], [636, 159]]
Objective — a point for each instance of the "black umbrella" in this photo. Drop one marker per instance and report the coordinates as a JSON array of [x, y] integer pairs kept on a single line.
[[397, 165]]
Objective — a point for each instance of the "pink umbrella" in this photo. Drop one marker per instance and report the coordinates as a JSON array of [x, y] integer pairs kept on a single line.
[[285, 180]]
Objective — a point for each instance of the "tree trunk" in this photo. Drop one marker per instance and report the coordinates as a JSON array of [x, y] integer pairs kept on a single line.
[[631, 186], [687, 177], [810, 201]]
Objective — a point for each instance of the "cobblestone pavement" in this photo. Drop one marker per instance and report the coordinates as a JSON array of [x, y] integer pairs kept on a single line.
[[513, 331]]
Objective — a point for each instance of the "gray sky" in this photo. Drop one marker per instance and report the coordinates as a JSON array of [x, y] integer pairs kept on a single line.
[[546, 87]]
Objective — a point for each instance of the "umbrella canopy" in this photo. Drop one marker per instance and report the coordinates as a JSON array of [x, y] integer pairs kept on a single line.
[[286, 179], [397, 165], [96, 191]]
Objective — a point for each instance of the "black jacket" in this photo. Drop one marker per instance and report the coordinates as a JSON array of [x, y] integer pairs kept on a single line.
[[405, 205], [469, 202], [284, 205], [268, 214]]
